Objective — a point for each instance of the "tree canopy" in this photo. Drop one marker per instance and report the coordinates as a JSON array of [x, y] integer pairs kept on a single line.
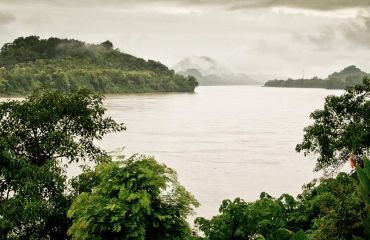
[[133, 199], [331, 209], [38, 136], [31, 63], [340, 129]]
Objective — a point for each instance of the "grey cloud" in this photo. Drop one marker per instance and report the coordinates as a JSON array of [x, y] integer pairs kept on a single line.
[[323, 39], [354, 33], [6, 18], [358, 32], [324, 5]]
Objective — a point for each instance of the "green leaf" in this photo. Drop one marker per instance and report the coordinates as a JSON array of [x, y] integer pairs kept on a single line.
[[364, 180], [367, 166]]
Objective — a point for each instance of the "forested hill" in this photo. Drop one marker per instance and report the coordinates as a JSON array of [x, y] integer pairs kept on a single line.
[[339, 80], [30, 63]]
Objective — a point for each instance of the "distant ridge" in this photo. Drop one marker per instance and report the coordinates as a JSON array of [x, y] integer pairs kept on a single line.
[[208, 72], [31, 63], [349, 76]]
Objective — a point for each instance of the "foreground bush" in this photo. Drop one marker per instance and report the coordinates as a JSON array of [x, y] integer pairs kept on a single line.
[[134, 199], [333, 209]]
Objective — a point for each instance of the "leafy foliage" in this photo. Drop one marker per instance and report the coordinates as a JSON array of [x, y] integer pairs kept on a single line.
[[38, 136], [267, 217], [333, 209], [364, 176], [133, 199], [340, 129], [336, 208], [32, 63]]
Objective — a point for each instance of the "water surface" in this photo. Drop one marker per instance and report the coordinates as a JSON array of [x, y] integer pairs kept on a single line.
[[223, 141]]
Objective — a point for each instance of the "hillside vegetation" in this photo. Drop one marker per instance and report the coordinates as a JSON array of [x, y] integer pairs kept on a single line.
[[349, 76], [31, 63]]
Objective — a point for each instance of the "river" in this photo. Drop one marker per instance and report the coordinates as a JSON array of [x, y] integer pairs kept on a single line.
[[223, 141]]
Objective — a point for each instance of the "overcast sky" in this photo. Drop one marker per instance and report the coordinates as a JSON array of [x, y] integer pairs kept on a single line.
[[279, 37]]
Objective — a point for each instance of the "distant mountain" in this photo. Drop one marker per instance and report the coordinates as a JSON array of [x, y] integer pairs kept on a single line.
[[208, 72], [30, 63], [349, 76]]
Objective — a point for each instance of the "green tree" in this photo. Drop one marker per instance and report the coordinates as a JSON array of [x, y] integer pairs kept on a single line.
[[107, 44], [340, 129], [334, 209], [38, 137], [132, 199], [266, 218]]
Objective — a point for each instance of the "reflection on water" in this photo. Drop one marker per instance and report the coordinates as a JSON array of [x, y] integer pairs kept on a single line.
[[224, 142]]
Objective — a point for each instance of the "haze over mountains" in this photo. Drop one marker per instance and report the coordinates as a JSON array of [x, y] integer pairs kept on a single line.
[[209, 72]]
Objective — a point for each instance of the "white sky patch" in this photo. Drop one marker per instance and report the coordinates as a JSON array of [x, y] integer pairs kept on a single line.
[[176, 10], [339, 14]]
